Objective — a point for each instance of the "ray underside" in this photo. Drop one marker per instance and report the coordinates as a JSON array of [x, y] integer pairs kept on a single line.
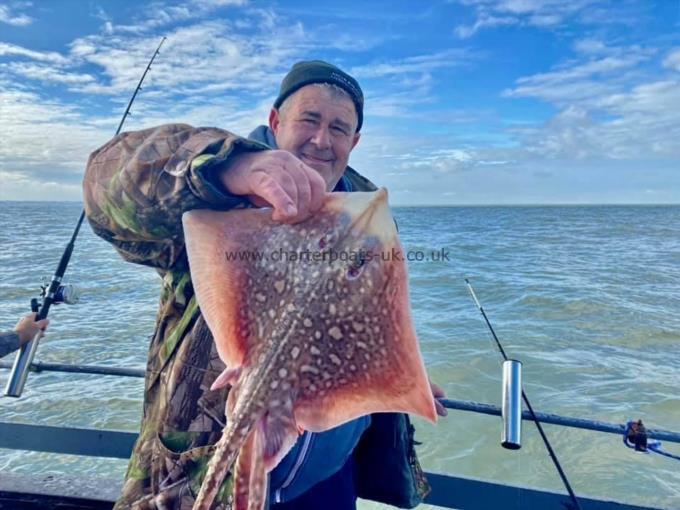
[[317, 342]]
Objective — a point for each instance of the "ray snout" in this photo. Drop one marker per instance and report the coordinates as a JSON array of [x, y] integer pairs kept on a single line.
[[368, 217]]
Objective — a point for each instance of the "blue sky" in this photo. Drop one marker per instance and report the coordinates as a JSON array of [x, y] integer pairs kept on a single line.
[[467, 101]]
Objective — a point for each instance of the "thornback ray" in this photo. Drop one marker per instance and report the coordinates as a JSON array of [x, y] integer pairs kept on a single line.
[[313, 323]]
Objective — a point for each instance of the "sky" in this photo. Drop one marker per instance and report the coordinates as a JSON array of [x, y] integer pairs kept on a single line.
[[468, 102]]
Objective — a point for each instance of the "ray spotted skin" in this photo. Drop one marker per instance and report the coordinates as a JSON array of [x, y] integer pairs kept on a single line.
[[309, 344]]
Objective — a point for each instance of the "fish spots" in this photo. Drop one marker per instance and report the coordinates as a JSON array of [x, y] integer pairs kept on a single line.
[[274, 384], [316, 342]]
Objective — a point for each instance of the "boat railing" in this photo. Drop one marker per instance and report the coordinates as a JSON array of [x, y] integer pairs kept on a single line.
[[448, 491]]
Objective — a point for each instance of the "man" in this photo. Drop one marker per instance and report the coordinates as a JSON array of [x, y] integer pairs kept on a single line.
[[24, 331], [136, 188]]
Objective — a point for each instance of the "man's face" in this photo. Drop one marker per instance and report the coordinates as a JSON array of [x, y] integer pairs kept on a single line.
[[319, 128]]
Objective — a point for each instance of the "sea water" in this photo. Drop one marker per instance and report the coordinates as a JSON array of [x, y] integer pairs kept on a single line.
[[587, 297]]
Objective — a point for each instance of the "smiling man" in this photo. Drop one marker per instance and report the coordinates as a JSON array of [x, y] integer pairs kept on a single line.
[[136, 189]]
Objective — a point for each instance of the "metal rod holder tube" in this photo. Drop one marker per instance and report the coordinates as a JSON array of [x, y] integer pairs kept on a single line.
[[23, 359], [511, 410]]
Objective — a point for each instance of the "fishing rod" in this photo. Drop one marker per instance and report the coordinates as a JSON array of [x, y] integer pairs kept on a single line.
[[535, 419], [51, 293]]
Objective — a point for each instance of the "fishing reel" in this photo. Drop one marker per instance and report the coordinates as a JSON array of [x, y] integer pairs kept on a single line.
[[67, 294]]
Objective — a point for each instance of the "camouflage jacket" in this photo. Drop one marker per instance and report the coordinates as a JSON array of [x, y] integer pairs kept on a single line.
[[136, 189]]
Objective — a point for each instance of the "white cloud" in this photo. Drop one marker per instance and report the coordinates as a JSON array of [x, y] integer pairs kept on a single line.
[[672, 61], [206, 57], [398, 88], [19, 20], [398, 104], [158, 14], [43, 56], [579, 81], [46, 73], [44, 137], [219, 3], [590, 46], [537, 13], [415, 64], [484, 21], [604, 112]]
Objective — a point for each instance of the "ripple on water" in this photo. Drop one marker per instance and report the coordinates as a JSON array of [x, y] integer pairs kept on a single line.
[[585, 296]]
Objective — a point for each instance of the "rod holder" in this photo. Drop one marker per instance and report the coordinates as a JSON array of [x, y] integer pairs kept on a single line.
[[511, 410]]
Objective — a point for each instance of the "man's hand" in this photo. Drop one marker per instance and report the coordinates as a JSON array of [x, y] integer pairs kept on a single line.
[[278, 179], [437, 393], [27, 327]]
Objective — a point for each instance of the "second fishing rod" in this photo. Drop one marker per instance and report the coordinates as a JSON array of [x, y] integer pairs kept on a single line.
[[24, 358], [551, 452]]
